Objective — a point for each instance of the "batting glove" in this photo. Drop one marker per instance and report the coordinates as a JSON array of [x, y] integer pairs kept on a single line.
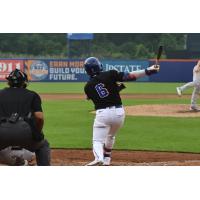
[[152, 69]]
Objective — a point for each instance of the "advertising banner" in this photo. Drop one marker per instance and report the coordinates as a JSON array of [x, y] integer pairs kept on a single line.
[[67, 70], [55, 70], [126, 66], [72, 70], [7, 66], [37, 70]]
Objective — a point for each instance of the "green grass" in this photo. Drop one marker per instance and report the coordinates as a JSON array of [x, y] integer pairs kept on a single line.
[[71, 127], [68, 124], [132, 87], [54, 87], [160, 134]]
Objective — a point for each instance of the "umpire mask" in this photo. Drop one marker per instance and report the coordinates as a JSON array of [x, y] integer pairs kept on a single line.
[[17, 78]]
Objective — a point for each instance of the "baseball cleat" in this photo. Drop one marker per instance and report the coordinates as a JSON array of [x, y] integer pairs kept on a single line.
[[95, 163], [195, 108], [179, 92], [106, 161]]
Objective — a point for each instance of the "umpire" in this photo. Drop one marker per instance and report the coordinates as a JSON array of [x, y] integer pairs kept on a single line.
[[21, 118]]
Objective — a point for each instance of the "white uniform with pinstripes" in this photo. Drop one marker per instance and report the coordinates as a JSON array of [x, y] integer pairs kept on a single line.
[[195, 83]]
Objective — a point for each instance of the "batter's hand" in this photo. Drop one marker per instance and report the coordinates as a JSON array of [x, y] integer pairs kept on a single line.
[[121, 86], [152, 69]]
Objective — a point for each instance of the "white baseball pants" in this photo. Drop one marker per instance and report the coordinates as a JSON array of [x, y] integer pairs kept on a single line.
[[195, 93], [106, 124]]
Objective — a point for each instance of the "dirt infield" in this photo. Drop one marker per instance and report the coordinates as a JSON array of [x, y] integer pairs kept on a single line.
[[124, 96], [74, 157], [164, 110]]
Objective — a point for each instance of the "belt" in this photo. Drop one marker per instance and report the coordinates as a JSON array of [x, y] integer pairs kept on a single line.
[[110, 107], [5, 119]]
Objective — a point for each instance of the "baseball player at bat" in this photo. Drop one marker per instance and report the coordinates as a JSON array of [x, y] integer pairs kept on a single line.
[[196, 84], [102, 89]]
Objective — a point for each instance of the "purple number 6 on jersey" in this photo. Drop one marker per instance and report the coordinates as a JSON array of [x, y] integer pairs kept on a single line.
[[101, 90]]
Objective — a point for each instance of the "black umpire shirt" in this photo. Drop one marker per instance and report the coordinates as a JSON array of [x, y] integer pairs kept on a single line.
[[103, 90], [19, 100]]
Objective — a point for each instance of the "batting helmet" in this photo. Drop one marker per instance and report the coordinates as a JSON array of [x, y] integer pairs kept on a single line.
[[93, 66], [17, 78]]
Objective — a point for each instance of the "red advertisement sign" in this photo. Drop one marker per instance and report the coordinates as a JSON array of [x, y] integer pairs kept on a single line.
[[7, 66]]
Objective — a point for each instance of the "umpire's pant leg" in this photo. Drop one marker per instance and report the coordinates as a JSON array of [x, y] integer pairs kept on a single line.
[[42, 152]]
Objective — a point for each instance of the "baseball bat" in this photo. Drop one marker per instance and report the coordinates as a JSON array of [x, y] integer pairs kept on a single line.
[[159, 53]]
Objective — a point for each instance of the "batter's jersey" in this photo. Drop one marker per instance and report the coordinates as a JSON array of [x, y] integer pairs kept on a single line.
[[19, 100], [103, 90]]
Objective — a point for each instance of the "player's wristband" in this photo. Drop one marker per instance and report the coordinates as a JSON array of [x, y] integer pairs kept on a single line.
[[129, 77]]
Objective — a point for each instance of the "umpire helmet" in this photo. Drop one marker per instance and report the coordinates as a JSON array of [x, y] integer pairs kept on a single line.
[[17, 78], [93, 66]]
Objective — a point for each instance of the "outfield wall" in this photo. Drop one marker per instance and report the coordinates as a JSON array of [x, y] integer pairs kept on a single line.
[[65, 70], [174, 71]]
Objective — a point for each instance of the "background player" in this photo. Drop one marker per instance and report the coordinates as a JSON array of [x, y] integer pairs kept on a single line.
[[196, 84], [103, 90]]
